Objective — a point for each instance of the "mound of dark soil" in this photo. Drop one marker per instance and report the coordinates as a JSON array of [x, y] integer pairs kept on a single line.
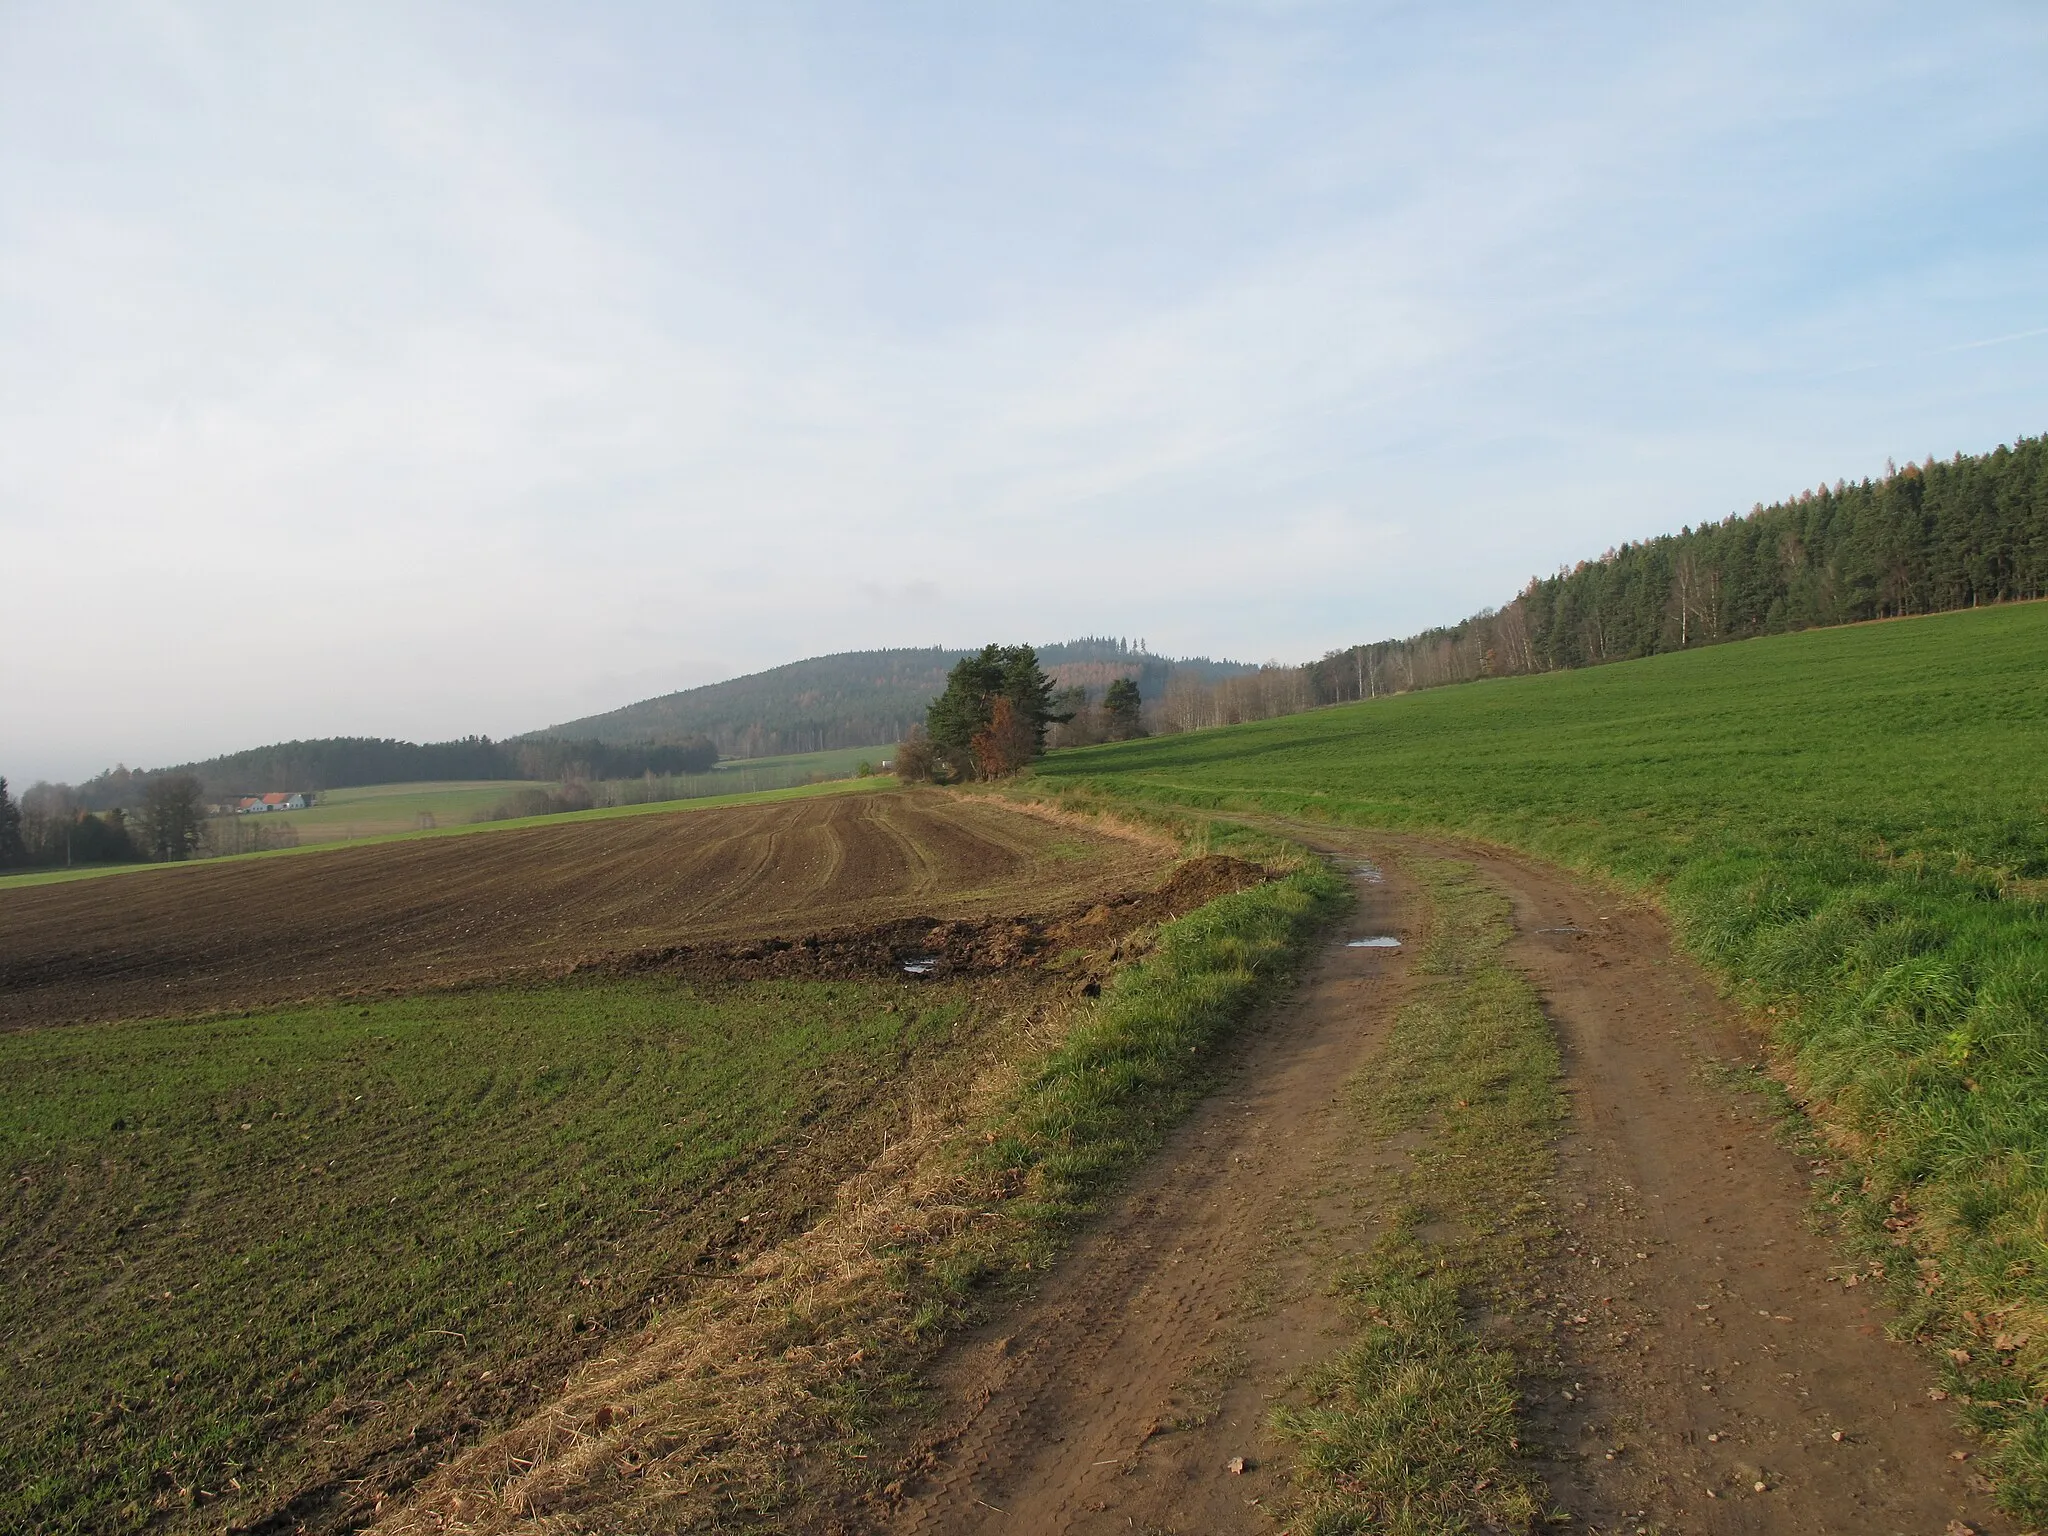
[[929, 946], [440, 912]]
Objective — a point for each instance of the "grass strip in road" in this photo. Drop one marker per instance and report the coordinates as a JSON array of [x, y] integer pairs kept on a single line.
[[1138, 1059], [1412, 1428]]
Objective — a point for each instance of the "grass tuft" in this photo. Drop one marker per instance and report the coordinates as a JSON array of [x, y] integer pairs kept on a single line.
[[1414, 1429]]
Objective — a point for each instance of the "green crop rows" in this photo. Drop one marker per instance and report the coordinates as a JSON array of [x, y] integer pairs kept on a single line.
[[250, 1257]]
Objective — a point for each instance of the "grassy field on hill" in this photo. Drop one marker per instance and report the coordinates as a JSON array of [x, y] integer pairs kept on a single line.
[[379, 810], [385, 810], [1851, 825], [837, 763], [249, 1256]]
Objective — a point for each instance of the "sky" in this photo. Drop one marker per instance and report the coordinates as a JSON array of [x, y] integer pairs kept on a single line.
[[424, 369]]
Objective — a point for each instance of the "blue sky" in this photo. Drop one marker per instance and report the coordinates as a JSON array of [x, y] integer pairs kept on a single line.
[[424, 369]]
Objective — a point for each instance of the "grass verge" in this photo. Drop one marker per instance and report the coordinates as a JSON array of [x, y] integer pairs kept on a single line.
[[1411, 1429], [789, 1385]]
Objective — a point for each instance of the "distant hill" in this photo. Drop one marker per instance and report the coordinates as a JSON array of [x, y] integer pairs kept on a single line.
[[858, 698], [854, 699]]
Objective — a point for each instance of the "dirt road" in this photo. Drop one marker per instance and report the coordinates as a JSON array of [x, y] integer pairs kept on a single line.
[[1708, 1375]]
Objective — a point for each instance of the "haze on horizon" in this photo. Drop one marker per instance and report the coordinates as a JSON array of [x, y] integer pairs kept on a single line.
[[449, 368]]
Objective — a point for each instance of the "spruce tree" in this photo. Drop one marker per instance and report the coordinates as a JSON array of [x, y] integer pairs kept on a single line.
[[1121, 706], [967, 707], [13, 851]]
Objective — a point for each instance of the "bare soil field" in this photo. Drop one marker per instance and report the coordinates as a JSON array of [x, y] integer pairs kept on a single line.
[[442, 912], [1702, 1366]]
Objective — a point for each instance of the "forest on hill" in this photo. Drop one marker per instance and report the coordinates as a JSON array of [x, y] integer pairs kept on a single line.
[[864, 698], [1923, 539], [336, 762]]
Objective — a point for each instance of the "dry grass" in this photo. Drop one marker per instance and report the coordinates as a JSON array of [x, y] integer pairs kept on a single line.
[[734, 1403], [770, 1389]]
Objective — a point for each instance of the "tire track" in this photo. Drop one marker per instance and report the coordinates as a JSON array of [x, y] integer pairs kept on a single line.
[[1082, 1411], [1697, 1348]]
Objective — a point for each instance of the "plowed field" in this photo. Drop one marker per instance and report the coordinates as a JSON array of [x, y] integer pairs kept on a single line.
[[434, 912]]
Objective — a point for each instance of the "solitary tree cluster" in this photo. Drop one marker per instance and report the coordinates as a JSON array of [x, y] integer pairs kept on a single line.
[[13, 851], [990, 721], [173, 819]]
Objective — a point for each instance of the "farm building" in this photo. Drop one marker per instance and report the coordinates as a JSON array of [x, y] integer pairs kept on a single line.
[[277, 800]]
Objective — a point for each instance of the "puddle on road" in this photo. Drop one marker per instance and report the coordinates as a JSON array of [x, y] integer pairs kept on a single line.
[[1376, 941], [923, 965], [1361, 869]]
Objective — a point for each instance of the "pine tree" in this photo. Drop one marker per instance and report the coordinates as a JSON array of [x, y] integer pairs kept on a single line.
[[13, 851], [967, 708], [1122, 705]]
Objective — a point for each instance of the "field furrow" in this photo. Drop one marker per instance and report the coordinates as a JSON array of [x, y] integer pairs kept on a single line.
[[435, 912]]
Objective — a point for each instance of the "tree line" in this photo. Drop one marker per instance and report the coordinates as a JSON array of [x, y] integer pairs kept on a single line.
[[338, 762], [1923, 539], [46, 828], [126, 815]]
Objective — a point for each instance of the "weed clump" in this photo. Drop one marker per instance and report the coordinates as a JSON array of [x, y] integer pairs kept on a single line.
[[1414, 1425]]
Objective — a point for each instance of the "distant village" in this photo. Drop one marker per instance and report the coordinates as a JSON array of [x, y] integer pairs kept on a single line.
[[277, 800]]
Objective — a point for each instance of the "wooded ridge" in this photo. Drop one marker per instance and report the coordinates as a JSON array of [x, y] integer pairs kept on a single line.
[[864, 698], [1922, 539]]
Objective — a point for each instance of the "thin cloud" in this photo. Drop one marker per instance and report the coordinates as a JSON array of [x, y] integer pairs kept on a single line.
[[455, 370]]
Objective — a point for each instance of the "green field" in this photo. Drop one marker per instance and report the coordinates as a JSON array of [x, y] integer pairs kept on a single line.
[[838, 763], [379, 810], [383, 810], [263, 1269], [251, 1258], [1850, 825]]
